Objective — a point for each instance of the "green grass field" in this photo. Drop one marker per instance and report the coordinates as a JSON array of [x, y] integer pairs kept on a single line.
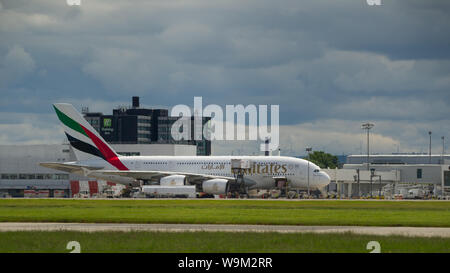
[[204, 242], [366, 213]]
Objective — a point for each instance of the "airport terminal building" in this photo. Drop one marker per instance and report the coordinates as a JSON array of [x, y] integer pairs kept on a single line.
[[399, 159], [395, 170]]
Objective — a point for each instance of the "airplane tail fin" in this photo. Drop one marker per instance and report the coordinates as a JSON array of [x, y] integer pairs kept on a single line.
[[85, 140]]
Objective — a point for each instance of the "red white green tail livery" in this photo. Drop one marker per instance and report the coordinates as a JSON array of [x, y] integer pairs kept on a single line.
[[84, 139]]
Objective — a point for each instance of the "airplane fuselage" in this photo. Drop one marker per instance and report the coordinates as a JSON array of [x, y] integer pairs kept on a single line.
[[264, 170]]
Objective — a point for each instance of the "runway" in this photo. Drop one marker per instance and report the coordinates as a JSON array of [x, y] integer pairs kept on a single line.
[[96, 227]]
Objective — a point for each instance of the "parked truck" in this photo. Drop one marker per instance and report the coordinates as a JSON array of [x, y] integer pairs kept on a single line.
[[157, 191]]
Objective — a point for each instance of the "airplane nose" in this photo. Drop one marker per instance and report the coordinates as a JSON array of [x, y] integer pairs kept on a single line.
[[328, 179], [325, 179]]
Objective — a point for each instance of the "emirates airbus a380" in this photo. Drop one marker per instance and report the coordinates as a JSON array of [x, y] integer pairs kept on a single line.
[[210, 174]]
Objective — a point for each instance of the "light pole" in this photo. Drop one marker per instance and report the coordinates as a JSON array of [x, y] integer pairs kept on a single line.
[[308, 150], [443, 150], [429, 150], [372, 174], [359, 185], [379, 192], [367, 126], [356, 178]]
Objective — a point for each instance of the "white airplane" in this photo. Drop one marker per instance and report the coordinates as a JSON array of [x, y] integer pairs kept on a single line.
[[210, 174]]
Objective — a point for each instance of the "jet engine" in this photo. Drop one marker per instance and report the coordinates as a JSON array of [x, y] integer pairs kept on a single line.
[[215, 186], [173, 180]]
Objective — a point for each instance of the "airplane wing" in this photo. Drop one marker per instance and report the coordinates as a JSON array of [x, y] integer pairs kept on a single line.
[[136, 175], [154, 175], [69, 167]]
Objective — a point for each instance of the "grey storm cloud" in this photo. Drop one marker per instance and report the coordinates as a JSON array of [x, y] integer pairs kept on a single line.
[[15, 65], [336, 63]]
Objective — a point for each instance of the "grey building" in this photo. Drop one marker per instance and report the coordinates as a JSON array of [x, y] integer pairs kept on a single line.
[[412, 169], [20, 170], [398, 159]]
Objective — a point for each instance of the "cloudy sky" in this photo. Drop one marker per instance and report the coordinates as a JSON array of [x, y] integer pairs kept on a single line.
[[329, 65]]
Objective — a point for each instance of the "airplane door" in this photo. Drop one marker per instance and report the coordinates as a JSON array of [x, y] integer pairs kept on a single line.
[[171, 165], [137, 165]]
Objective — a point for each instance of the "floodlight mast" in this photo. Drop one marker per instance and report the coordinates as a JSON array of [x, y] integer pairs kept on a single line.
[[367, 126]]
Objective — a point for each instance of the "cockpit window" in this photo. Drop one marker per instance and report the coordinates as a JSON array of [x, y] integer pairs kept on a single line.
[[316, 170]]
